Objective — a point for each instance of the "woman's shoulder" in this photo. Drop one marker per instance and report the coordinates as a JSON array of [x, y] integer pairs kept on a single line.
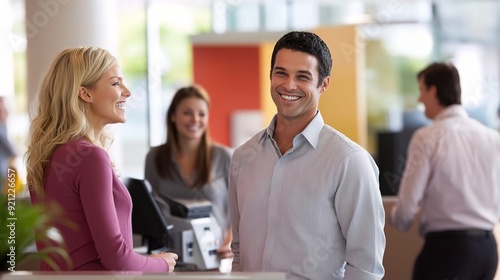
[[153, 151], [222, 150], [81, 156], [79, 148]]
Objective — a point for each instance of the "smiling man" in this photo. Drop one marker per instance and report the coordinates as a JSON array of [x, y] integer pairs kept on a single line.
[[304, 199]]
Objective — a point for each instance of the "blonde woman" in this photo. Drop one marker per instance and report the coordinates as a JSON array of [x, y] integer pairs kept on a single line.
[[67, 163]]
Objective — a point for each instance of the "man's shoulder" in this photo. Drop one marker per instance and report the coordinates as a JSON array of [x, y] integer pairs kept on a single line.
[[336, 139], [487, 134], [252, 141], [467, 124], [431, 130]]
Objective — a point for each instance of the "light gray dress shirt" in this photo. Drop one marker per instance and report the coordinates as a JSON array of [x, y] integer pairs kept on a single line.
[[452, 175], [176, 187], [315, 212]]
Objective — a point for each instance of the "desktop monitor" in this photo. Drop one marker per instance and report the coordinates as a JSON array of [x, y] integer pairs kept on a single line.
[[147, 218]]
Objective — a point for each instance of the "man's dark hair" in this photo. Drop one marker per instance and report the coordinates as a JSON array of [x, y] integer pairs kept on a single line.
[[309, 43], [444, 76]]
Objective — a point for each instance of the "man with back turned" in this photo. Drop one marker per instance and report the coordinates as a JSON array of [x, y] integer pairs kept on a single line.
[[452, 176]]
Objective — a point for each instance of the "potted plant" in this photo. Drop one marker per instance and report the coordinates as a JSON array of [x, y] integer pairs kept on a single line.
[[22, 225]]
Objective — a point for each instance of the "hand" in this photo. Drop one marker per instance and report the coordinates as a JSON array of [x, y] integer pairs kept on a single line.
[[170, 258], [225, 252]]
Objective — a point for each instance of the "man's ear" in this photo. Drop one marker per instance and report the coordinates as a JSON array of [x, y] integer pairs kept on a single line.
[[84, 95], [324, 85], [433, 91]]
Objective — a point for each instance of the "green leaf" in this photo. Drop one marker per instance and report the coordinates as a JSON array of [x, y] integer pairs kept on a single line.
[[29, 224]]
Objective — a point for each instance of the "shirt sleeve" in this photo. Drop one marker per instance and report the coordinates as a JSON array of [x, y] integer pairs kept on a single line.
[[234, 214], [361, 216], [222, 168], [95, 186], [413, 184]]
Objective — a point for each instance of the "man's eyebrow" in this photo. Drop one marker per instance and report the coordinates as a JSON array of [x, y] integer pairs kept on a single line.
[[307, 72]]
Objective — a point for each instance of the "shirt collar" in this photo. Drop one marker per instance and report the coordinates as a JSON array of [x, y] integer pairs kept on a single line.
[[310, 133], [455, 110]]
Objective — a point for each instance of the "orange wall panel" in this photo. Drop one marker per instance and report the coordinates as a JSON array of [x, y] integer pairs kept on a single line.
[[230, 74]]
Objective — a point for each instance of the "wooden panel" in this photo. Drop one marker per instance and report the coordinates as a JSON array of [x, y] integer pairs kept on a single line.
[[403, 247], [343, 105], [267, 104]]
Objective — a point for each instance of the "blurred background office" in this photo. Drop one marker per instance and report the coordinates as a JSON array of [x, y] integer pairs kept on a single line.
[[162, 45], [153, 40]]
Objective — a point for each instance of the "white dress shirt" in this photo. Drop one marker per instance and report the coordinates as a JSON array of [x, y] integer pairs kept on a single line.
[[452, 175], [315, 212]]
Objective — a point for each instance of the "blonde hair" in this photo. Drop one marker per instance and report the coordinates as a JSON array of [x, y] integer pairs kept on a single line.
[[60, 113]]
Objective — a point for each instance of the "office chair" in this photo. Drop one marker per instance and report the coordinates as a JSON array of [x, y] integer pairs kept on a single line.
[[147, 218]]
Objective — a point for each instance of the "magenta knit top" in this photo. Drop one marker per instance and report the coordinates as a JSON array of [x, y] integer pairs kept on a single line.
[[80, 178]]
